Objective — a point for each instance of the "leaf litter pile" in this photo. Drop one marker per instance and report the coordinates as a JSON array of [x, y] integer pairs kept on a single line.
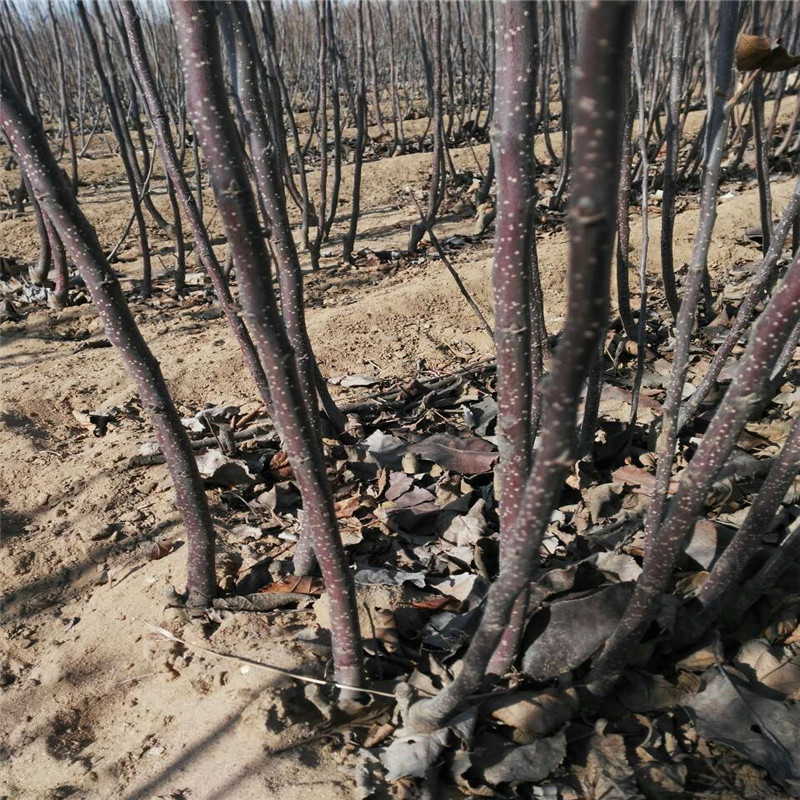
[[414, 480]]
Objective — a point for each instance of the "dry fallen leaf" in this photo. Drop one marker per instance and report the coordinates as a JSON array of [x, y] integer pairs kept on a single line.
[[466, 455], [763, 729], [157, 550], [295, 585], [280, 467]]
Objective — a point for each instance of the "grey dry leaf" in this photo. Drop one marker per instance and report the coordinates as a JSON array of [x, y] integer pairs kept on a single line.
[[353, 381], [399, 483], [218, 413], [572, 630], [598, 497], [460, 586], [246, 531], [194, 425], [371, 577], [219, 469], [518, 763], [281, 497], [707, 543], [763, 729], [616, 565], [615, 403], [384, 449], [483, 413], [465, 530], [413, 756]]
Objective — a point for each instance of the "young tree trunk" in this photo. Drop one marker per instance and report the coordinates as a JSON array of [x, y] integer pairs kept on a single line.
[[512, 145], [672, 132], [698, 269], [117, 125], [436, 189], [373, 63], [624, 227], [62, 88], [60, 205], [361, 134], [251, 75]]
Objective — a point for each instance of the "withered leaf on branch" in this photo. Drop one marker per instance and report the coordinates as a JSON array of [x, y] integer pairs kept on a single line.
[[760, 52]]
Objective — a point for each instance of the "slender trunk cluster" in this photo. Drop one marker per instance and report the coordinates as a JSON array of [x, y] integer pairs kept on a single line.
[[599, 96], [295, 419]]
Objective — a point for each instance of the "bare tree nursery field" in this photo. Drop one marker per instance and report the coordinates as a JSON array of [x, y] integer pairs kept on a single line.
[[399, 399]]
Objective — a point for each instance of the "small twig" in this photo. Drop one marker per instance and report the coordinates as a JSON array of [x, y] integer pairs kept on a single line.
[[456, 277], [748, 82], [268, 667], [135, 678]]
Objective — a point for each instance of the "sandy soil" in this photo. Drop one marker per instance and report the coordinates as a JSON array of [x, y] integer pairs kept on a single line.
[[93, 704]]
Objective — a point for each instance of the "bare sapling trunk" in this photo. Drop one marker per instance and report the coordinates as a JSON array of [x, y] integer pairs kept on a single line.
[[361, 135], [373, 65], [624, 228], [65, 110], [58, 200], [512, 144], [117, 125], [670, 174], [641, 334], [565, 78], [336, 120], [599, 94], [169, 158], [698, 268], [761, 141], [208, 106], [436, 188]]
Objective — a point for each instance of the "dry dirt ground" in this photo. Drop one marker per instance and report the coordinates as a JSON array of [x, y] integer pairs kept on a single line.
[[95, 706]]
